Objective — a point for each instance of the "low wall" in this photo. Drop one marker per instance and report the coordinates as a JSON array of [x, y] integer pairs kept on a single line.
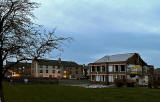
[[46, 81]]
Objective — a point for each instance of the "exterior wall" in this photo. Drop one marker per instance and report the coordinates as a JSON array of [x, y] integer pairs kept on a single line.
[[18, 70], [114, 71], [33, 69], [106, 73], [72, 72], [59, 72]]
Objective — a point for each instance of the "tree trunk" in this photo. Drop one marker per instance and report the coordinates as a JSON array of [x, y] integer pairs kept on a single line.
[[1, 91], [1, 78]]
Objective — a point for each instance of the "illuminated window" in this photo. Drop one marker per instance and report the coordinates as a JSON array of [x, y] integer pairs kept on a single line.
[[64, 76], [65, 72]]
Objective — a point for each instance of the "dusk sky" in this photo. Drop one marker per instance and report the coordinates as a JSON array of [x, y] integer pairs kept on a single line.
[[104, 27]]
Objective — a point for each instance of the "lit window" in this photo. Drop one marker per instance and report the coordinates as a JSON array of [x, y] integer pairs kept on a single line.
[[64, 76], [65, 72]]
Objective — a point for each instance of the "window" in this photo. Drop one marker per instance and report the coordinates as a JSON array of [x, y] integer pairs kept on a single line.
[[97, 77], [92, 77], [65, 72], [110, 69], [46, 66], [70, 72], [92, 68], [59, 71], [53, 71], [103, 68], [116, 68], [40, 66], [53, 67], [46, 71], [40, 71], [122, 77], [110, 78], [56, 67], [98, 68], [102, 78], [122, 68], [76, 72]]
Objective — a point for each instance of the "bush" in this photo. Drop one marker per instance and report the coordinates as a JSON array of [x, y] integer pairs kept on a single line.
[[130, 84], [119, 82], [156, 84]]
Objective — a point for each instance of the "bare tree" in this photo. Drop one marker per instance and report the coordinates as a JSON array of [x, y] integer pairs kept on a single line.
[[20, 37]]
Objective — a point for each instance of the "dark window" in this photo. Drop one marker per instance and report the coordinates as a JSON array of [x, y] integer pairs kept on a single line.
[[93, 77], [116, 68], [132, 75], [46, 66], [103, 68], [76, 72], [41, 66], [59, 71], [40, 71], [53, 71], [46, 71], [122, 68], [93, 68], [98, 68]]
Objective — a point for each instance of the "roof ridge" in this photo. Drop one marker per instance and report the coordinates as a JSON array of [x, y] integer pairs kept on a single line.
[[120, 54], [116, 57]]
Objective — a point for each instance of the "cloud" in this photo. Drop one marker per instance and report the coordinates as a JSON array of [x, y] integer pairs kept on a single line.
[[120, 15], [101, 27]]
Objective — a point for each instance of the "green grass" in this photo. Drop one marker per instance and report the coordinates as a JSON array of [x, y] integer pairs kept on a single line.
[[55, 93]]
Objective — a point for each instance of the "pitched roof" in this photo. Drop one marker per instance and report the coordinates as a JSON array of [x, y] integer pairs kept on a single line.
[[115, 58], [20, 64], [57, 63]]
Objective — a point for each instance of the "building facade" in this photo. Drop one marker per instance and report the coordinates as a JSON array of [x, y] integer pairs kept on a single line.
[[128, 66], [21, 69], [42, 68]]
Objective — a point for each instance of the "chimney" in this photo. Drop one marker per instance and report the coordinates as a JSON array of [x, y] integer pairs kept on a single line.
[[59, 60]]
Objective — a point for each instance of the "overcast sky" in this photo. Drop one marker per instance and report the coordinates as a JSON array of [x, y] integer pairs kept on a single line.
[[104, 27]]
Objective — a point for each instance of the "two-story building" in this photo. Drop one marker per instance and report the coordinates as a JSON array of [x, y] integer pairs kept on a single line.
[[21, 69], [55, 69], [128, 66]]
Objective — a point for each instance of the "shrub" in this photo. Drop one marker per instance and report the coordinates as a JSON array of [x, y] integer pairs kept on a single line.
[[156, 83], [119, 82], [130, 84]]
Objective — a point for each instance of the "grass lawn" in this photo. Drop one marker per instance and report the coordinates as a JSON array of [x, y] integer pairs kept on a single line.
[[55, 93]]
